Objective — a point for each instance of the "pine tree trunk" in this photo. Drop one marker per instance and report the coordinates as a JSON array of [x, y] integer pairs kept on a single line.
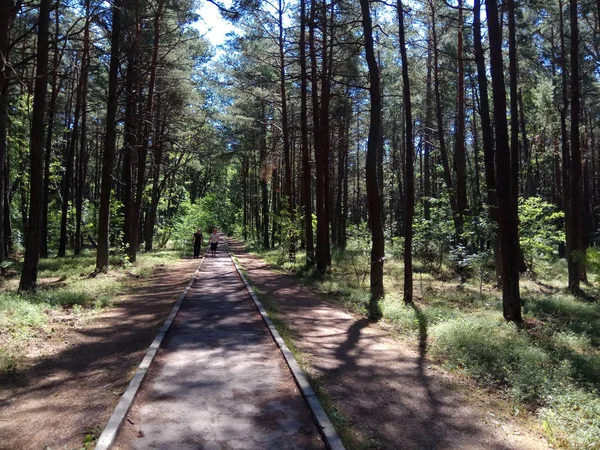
[[440, 122], [487, 137], [109, 141], [284, 116], [409, 179], [142, 154], [82, 158], [460, 157], [575, 246], [49, 135], [507, 221], [373, 194], [33, 240], [8, 11], [428, 137], [69, 163]]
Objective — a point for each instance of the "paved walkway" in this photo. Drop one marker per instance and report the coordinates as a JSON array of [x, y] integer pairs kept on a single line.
[[219, 381]]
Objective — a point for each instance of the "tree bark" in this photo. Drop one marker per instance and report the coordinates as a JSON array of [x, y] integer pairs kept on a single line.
[[49, 135], [575, 248], [33, 240], [8, 12], [306, 171], [373, 194], [109, 141], [142, 155], [487, 136], [409, 178], [82, 158], [460, 157], [508, 225]]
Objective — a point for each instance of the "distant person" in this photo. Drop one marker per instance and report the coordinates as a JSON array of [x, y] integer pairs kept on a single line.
[[198, 241], [214, 241]]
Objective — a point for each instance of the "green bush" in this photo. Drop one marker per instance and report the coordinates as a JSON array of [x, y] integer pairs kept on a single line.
[[541, 230]]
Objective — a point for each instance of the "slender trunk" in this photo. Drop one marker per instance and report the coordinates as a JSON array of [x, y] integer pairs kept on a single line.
[[428, 138], [508, 225], [575, 247], [8, 12], [284, 116], [68, 177], [514, 106], [157, 186], [409, 179], [81, 160], [373, 194], [566, 184], [142, 154], [460, 158], [530, 188], [49, 135], [487, 137], [33, 240], [109, 141], [263, 180], [320, 188]]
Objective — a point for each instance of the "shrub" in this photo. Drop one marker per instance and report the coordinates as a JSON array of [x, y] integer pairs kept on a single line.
[[497, 353]]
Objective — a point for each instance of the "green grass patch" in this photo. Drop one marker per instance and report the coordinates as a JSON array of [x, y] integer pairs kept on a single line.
[[64, 284]]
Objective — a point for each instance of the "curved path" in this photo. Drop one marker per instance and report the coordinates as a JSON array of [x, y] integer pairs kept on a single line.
[[218, 381]]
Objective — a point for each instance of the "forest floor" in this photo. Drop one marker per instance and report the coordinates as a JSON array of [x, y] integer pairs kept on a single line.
[[70, 370], [382, 392]]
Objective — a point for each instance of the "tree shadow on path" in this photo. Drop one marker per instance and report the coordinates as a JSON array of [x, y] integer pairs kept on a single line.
[[386, 390]]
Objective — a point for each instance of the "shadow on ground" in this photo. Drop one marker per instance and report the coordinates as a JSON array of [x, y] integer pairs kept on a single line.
[[387, 392]]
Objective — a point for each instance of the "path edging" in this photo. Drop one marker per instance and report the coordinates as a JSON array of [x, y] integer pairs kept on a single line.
[[115, 421], [324, 425]]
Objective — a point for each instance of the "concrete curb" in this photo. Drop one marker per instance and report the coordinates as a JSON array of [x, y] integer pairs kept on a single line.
[[109, 434], [324, 425]]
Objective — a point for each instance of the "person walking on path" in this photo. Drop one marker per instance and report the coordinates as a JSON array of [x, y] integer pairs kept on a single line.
[[198, 240], [214, 241]]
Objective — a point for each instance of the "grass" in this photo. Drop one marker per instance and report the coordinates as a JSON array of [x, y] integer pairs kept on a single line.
[[550, 366], [64, 284]]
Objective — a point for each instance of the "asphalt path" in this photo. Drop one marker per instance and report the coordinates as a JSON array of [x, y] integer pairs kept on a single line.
[[219, 381]]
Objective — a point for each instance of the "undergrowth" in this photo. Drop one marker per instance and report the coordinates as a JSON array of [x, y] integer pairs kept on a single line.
[[550, 366]]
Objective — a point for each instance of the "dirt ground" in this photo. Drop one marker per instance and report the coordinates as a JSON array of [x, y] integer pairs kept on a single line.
[[390, 394], [74, 376]]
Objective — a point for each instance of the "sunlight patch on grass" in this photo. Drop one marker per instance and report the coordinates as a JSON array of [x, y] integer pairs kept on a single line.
[[23, 315]]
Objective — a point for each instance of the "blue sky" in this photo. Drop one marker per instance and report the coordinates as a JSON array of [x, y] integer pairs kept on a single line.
[[211, 24]]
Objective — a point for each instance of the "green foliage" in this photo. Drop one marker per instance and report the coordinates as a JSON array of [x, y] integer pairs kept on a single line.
[[541, 230], [433, 238], [211, 211], [288, 234], [592, 260]]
